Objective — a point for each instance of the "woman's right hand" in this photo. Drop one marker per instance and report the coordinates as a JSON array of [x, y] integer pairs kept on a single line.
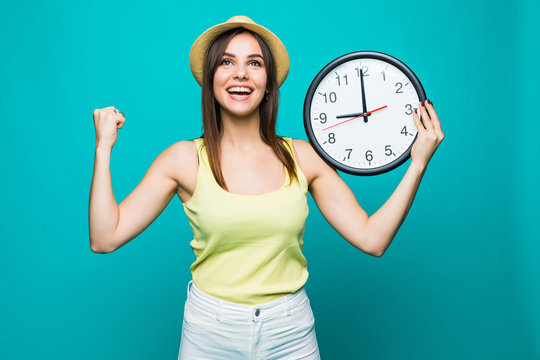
[[107, 122]]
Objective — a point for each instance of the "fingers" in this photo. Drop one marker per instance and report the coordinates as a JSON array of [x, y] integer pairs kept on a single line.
[[419, 127], [425, 117], [435, 120], [120, 119], [113, 110], [120, 123], [118, 116]]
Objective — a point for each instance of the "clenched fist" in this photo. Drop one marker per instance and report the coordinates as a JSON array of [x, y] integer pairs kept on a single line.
[[107, 121]]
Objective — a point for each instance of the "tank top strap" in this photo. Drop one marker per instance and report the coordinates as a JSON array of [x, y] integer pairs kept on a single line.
[[300, 173], [290, 147], [202, 156]]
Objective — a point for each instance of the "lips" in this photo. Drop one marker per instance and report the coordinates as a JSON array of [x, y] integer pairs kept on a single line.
[[239, 92], [239, 97]]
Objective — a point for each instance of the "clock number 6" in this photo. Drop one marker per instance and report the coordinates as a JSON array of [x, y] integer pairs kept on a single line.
[[369, 156]]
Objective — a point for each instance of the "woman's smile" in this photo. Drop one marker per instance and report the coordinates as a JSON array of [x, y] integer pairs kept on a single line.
[[240, 92]]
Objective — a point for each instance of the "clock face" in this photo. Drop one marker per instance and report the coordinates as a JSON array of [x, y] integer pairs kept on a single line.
[[358, 112]]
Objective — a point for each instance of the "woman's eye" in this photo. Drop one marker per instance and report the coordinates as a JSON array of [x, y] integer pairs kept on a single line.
[[256, 63], [225, 61]]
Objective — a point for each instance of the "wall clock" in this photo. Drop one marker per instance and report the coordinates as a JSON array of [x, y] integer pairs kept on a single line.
[[358, 112]]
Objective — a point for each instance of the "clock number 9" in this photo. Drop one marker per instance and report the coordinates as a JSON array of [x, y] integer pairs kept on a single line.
[[322, 118]]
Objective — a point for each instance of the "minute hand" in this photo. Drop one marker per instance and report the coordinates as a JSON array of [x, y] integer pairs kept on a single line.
[[364, 106]]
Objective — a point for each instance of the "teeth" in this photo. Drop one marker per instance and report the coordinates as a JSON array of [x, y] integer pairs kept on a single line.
[[239, 89]]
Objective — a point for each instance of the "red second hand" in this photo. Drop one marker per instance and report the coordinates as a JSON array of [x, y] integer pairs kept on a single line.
[[356, 117]]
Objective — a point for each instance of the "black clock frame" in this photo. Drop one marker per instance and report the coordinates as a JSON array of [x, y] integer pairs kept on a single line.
[[309, 97]]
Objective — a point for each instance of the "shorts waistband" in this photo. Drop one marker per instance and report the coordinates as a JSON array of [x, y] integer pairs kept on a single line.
[[227, 310]]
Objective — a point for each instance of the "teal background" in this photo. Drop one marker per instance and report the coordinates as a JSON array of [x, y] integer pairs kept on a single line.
[[459, 281]]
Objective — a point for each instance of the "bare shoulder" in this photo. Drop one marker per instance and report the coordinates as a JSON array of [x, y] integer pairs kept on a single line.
[[310, 162], [181, 158]]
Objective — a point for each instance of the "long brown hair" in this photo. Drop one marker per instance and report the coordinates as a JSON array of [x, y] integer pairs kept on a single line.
[[211, 115]]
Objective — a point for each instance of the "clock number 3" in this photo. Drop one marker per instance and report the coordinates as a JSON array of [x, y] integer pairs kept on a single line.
[[409, 109]]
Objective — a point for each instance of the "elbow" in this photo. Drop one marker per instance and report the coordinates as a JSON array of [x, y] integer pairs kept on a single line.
[[99, 248], [377, 253], [372, 251], [368, 248], [99, 251]]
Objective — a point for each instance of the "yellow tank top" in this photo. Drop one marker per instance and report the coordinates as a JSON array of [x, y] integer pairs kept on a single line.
[[248, 248]]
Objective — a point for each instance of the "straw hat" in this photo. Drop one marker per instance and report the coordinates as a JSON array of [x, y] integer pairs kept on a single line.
[[200, 47]]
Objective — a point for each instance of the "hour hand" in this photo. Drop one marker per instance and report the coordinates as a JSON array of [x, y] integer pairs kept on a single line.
[[356, 115], [349, 115]]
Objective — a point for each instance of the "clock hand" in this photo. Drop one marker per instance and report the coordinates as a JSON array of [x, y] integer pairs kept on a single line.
[[349, 115], [364, 106], [355, 117]]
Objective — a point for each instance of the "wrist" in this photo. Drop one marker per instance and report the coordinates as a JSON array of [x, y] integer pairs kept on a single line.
[[103, 148], [418, 167]]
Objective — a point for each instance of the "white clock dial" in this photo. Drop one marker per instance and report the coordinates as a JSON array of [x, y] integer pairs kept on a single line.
[[359, 112]]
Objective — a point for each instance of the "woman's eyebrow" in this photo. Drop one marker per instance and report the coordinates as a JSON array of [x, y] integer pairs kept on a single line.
[[249, 56]]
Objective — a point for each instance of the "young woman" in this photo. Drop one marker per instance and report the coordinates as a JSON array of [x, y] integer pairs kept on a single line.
[[244, 190]]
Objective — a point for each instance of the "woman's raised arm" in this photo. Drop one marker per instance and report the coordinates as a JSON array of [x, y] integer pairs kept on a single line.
[[111, 225], [337, 203]]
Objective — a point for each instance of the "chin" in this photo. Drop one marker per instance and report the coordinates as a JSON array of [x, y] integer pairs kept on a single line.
[[239, 109], [240, 112]]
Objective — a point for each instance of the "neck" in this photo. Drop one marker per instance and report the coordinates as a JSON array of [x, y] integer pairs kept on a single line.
[[241, 133]]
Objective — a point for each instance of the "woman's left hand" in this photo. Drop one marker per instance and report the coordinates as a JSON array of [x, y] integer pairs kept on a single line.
[[429, 136]]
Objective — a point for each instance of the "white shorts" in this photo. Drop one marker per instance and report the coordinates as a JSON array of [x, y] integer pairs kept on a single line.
[[280, 329]]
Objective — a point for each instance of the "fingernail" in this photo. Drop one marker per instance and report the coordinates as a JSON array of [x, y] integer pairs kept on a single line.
[[415, 111], [429, 102]]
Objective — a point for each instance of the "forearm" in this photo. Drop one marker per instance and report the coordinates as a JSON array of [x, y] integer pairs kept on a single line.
[[103, 209], [384, 224]]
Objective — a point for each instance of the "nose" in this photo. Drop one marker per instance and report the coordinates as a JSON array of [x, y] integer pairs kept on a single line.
[[240, 72]]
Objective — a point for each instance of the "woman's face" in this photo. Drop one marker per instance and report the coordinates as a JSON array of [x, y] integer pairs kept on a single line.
[[240, 78]]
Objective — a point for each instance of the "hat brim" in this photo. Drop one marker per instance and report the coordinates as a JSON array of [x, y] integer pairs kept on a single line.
[[200, 47]]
